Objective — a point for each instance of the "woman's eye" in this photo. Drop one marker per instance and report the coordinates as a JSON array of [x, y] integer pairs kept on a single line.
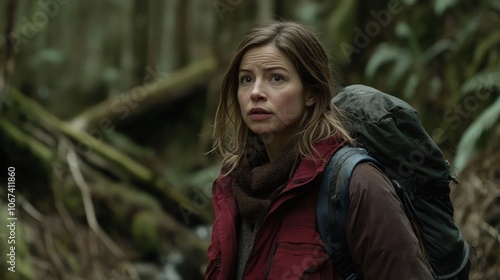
[[245, 80], [277, 78]]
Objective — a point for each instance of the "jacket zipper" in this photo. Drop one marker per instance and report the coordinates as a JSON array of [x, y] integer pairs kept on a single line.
[[258, 232], [271, 261], [255, 238], [217, 263]]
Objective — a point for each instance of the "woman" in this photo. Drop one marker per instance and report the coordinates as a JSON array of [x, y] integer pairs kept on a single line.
[[276, 130]]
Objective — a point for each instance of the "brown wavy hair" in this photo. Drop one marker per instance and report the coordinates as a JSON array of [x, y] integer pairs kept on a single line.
[[323, 120]]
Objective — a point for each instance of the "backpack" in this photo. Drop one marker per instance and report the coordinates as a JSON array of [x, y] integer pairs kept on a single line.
[[413, 163]]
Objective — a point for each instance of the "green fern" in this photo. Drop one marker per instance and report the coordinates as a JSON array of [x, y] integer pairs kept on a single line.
[[411, 86], [383, 54], [484, 80], [468, 142], [407, 59], [401, 66], [436, 49], [406, 32], [484, 48], [468, 31]]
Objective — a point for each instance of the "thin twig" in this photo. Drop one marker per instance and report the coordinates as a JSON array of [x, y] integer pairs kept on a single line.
[[87, 204], [48, 240], [68, 222], [61, 209], [31, 210]]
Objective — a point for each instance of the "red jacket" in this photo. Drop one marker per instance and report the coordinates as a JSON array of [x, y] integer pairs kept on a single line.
[[288, 246]]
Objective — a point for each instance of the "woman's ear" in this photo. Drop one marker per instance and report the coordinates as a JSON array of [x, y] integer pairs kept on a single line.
[[310, 98]]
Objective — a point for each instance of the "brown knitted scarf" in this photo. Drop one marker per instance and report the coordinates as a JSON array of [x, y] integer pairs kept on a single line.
[[255, 186]]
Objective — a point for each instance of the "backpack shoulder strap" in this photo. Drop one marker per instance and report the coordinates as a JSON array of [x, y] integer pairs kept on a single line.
[[333, 205]]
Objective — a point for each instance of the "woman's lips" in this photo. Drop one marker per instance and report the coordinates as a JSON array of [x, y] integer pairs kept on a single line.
[[258, 114]]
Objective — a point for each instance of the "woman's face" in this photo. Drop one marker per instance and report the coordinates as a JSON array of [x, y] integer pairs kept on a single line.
[[271, 94]]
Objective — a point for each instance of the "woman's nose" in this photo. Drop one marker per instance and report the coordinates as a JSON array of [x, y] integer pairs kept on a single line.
[[258, 92]]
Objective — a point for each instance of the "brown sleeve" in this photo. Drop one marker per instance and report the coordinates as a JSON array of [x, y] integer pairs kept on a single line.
[[379, 234]]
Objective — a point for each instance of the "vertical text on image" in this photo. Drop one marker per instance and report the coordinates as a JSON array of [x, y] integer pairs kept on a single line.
[[11, 219]]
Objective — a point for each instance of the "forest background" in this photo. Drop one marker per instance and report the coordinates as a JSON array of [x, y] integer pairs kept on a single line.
[[107, 108]]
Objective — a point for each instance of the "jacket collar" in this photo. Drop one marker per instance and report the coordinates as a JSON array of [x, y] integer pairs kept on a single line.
[[309, 169]]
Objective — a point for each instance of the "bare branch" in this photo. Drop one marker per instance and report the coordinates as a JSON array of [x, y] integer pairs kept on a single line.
[[87, 203]]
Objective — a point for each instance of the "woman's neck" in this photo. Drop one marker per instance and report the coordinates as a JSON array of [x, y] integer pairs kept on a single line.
[[275, 148]]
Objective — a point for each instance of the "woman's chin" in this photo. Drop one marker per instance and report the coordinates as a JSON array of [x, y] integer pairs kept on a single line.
[[262, 131], [257, 128]]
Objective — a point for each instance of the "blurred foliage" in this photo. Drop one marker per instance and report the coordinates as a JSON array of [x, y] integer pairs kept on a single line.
[[445, 61], [131, 62]]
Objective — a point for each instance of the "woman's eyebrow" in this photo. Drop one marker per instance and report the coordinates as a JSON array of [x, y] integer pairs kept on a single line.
[[277, 67], [264, 68]]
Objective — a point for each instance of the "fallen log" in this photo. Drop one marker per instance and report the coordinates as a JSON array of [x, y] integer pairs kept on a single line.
[[88, 146], [9, 131], [157, 90]]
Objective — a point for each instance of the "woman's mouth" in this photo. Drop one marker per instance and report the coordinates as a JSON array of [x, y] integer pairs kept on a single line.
[[258, 114]]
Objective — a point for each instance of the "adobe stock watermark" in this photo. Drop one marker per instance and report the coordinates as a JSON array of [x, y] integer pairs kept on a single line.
[[122, 105], [30, 27], [222, 6], [362, 38]]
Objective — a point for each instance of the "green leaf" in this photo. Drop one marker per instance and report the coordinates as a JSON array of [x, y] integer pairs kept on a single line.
[[340, 22], [402, 65], [411, 86], [484, 80], [405, 31], [436, 49], [469, 30], [436, 87], [383, 54], [468, 142], [440, 6], [484, 48]]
